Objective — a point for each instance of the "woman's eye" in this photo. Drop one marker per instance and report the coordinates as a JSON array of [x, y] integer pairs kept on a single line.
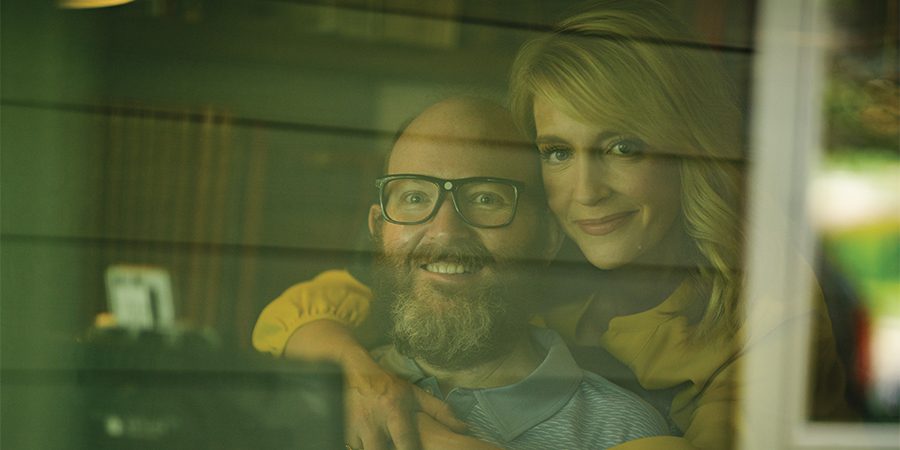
[[627, 147], [555, 154]]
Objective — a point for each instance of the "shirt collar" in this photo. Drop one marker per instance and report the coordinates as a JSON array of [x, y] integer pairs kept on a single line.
[[515, 408]]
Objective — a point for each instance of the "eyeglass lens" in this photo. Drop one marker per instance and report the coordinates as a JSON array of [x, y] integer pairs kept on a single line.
[[482, 203]]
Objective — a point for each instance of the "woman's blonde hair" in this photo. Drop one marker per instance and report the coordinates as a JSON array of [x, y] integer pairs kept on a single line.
[[630, 66]]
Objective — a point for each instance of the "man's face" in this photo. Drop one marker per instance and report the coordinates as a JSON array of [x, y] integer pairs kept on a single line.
[[457, 289]]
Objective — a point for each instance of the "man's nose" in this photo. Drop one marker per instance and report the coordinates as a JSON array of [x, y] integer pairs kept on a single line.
[[447, 222]]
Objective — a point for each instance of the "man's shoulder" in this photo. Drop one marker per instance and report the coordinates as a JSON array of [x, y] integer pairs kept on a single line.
[[612, 413], [600, 389], [616, 406], [599, 414]]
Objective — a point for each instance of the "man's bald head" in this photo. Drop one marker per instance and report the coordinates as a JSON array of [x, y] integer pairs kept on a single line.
[[465, 128]]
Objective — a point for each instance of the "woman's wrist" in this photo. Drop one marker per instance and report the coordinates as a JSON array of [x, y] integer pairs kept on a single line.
[[355, 359], [323, 340]]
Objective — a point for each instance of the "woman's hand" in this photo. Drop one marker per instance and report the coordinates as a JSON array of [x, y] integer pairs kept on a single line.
[[380, 407], [436, 436]]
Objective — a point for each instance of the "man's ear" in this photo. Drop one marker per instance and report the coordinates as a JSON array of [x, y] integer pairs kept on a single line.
[[555, 239], [375, 220]]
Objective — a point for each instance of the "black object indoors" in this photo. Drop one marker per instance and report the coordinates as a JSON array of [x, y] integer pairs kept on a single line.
[[154, 392]]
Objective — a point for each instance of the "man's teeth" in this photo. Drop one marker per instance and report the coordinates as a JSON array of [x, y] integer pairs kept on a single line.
[[451, 268]]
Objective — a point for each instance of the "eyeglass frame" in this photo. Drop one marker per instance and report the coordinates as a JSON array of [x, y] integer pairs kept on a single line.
[[448, 185]]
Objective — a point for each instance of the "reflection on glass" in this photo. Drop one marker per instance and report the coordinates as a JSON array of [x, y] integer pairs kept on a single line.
[[857, 208], [856, 202]]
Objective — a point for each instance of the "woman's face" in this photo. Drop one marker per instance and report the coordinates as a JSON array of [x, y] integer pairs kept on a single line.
[[614, 196]]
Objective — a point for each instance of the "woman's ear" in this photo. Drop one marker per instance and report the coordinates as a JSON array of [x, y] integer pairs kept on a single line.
[[375, 220]]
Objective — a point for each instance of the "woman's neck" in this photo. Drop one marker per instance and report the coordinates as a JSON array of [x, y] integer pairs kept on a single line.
[[636, 288], [651, 279], [623, 292]]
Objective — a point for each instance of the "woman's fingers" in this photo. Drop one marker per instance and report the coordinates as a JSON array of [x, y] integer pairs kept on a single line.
[[380, 409], [436, 436], [440, 411], [373, 440], [401, 427], [353, 444]]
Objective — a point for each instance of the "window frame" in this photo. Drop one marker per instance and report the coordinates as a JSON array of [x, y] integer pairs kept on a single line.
[[786, 148]]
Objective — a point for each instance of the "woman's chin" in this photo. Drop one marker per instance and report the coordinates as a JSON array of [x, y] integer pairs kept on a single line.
[[607, 260]]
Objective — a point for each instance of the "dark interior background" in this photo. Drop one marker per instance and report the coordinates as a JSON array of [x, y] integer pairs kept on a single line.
[[234, 143], [230, 142]]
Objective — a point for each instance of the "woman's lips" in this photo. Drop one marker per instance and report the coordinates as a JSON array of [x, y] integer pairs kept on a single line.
[[605, 225]]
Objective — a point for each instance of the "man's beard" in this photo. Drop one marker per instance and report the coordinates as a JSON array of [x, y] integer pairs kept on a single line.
[[448, 326]]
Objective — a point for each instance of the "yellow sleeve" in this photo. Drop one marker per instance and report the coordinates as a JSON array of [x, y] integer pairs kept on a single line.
[[718, 416], [333, 295], [713, 423]]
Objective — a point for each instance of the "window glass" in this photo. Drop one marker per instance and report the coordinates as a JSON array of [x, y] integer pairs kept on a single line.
[[171, 167], [855, 201]]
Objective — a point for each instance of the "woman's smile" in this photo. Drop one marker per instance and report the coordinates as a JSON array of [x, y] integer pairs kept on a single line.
[[606, 224]]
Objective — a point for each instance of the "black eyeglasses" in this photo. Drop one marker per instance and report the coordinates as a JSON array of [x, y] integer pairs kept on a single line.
[[408, 199]]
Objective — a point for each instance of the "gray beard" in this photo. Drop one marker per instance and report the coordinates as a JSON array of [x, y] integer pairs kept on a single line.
[[452, 329]]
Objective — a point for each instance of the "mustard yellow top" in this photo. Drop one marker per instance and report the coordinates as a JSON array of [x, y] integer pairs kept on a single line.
[[653, 344]]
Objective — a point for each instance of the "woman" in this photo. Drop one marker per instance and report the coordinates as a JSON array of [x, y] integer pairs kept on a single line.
[[639, 132]]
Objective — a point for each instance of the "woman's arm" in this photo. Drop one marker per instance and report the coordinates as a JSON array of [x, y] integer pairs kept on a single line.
[[334, 295], [380, 407], [313, 320], [436, 436]]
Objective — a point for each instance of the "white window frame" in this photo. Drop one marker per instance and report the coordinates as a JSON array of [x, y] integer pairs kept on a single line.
[[789, 77]]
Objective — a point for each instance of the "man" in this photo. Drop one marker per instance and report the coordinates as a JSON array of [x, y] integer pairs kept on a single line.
[[460, 223]]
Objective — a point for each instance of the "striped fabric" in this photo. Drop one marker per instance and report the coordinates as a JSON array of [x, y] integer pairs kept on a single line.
[[599, 415], [559, 405]]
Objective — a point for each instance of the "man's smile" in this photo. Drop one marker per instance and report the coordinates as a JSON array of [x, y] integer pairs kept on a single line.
[[451, 268]]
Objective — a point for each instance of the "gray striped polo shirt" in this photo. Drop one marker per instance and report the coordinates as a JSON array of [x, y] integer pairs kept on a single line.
[[559, 405]]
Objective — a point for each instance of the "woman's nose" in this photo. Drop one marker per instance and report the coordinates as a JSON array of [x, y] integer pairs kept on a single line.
[[590, 181]]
